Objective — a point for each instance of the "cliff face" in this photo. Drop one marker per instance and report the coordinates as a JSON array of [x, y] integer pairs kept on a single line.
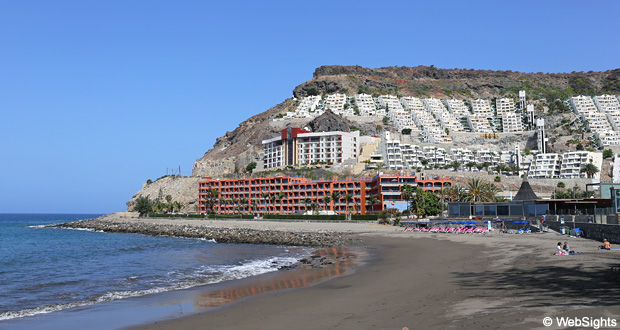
[[458, 83]]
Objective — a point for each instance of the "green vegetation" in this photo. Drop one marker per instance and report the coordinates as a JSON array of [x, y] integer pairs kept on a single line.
[[406, 131], [561, 184], [589, 169], [230, 216], [608, 153], [144, 205], [251, 166]]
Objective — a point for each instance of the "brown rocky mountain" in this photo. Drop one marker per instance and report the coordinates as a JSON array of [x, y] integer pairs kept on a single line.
[[458, 83], [233, 151]]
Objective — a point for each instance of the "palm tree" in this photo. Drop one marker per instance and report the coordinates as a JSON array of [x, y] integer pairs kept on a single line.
[[254, 205], [265, 196], [326, 200], [469, 165], [335, 197], [307, 201], [273, 201], [424, 162], [372, 201], [406, 191], [455, 165], [348, 198], [279, 197], [476, 189], [589, 169]]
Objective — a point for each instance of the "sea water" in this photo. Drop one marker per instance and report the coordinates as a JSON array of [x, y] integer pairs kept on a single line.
[[46, 270]]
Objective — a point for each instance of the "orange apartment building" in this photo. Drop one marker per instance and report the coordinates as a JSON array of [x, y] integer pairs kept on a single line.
[[262, 195]]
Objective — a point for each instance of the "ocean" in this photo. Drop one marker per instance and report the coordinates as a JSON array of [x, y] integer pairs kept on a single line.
[[50, 270]]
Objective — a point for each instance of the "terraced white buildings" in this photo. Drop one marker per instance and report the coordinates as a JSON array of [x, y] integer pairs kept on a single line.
[[366, 104], [335, 103]]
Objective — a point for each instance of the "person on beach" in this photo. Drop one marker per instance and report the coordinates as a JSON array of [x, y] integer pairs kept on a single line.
[[606, 245], [567, 249], [559, 250]]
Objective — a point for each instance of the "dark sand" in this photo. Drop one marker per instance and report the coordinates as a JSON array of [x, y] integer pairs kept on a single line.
[[437, 281]]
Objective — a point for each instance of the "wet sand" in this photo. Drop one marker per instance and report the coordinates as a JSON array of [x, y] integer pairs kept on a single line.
[[431, 281]]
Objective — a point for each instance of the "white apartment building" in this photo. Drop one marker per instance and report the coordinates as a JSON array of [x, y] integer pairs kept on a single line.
[[390, 102], [573, 161], [308, 104], [545, 166], [504, 105], [366, 104], [463, 156], [336, 102], [458, 108], [487, 156], [435, 135], [301, 147], [585, 107], [608, 138], [434, 105], [511, 122], [412, 103], [610, 106], [479, 123], [482, 107], [401, 119], [449, 121]]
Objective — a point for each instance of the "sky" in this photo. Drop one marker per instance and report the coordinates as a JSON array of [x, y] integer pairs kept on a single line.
[[96, 97]]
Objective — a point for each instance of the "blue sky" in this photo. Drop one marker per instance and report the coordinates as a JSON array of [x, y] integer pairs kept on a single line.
[[96, 97]]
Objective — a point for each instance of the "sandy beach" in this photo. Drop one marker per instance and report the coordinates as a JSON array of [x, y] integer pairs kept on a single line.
[[429, 281]]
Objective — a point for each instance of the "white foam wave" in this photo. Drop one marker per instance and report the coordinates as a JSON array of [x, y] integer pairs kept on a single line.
[[38, 226], [206, 275]]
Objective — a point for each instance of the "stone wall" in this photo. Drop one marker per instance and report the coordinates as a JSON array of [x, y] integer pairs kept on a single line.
[[595, 231]]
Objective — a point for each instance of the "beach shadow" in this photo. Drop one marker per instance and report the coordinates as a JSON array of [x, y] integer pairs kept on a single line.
[[547, 285]]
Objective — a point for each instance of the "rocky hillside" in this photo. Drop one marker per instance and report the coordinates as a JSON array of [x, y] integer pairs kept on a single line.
[[456, 83], [182, 189]]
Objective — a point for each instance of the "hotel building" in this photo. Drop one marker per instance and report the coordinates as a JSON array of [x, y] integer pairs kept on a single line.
[[297, 194], [296, 147]]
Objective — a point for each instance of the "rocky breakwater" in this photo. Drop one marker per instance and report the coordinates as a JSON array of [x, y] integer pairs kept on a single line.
[[219, 234]]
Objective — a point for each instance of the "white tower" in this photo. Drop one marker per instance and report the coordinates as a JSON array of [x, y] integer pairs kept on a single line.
[[542, 139], [530, 115], [521, 100]]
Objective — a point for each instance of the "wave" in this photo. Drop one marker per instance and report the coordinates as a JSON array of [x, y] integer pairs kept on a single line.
[[204, 275]]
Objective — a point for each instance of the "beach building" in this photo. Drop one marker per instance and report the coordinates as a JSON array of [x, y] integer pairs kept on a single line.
[[565, 166], [572, 162], [365, 104], [296, 147], [545, 166], [291, 195]]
